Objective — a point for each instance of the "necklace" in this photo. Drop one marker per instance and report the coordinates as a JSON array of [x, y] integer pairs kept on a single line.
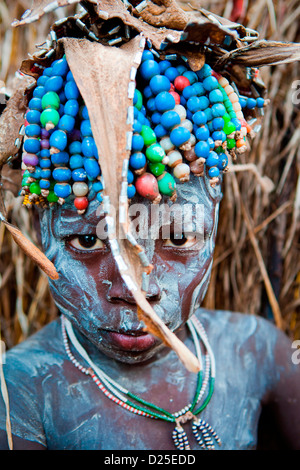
[[203, 432]]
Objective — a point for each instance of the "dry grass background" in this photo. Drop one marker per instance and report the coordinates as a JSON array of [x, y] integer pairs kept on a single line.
[[257, 258]]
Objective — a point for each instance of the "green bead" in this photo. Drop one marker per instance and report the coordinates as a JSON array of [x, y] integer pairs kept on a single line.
[[166, 184], [226, 117], [155, 153], [148, 135], [157, 169], [139, 102], [34, 188], [229, 128], [219, 150], [51, 100], [231, 143], [52, 197], [24, 181], [49, 116]]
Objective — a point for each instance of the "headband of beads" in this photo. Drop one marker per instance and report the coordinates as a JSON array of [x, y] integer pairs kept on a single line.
[[184, 122]]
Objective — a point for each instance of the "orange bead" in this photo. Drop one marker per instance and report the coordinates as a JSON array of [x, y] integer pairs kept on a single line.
[[240, 143]]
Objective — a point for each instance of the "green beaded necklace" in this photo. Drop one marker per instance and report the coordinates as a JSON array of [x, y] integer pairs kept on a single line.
[[203, 432]]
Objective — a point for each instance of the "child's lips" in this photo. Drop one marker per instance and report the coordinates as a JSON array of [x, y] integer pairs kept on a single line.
[[135, 341]]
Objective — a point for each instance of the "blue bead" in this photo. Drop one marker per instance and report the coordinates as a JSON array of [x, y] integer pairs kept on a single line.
[[33, 116], [147, 55], [71, 90], [210, 83], [79, 174], [85, 128], [181, 69], [208, 113], [99, 197], [204, 72], [137, 126], [85, 113], [202, 149], [199, 118], [58, 140], [71, 108], [32, 146], [37, 173], [45, 153], [130, 177], [216, 96], [66, 123], [218, 124], [46, 173], [39, 92], [159, 83], [183, 101], [131, 191], [76, 161], [189, 115], [156, 118], [61, 158], [211, 143], [137, 143], [91, 167], [169, 119], [96, 155], [164, 101], [98, 186], [179, 136], [147, 92], [243, 102], [164, 65], [199, 88], [219, 135], [214, 172], [143, 110], [149, 68], [62, 190], [260, 102], [204, 103], [210, 127], [45, 163], [41, 80], [70, 76], [61, 110], [48, 71], [151, 105], [191, 76], [202, 133], [33, 130], [54, 84], [218, 110], [223, 161], [75, 147], [171, 73], [62, 97], [212, 160], [189, 91], [160, 131], [62, 174], [35, 103], [237, 123], [44, 183], [251, 103], [60, 67], [87, 147], [194, 104], [137, 160]]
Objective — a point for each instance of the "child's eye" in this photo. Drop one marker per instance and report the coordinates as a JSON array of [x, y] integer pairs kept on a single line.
[[181, 241], [86, 243]]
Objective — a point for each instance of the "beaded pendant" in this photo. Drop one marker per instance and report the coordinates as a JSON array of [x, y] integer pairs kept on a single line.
[[183, 122]]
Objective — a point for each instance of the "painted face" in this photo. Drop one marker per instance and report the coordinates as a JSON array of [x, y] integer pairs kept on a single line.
[[90, 290]]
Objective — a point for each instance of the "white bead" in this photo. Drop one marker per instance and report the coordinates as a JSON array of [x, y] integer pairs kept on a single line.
[[240, 115], [228, 89], [175, 158], [80, 189], [182, 171], [187, 124], [234, 98], [167, 144], [237, 107], [181, 111], [223, 82]]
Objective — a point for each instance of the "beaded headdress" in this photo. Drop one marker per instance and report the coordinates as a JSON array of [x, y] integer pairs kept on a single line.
[[129, 98]]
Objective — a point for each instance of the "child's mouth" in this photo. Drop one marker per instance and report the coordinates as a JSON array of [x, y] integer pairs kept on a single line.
[[134, 341]]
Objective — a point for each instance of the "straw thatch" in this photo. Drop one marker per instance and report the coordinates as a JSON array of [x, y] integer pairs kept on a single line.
[[256, 268]]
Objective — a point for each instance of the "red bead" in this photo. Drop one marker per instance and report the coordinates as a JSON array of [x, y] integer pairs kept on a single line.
[[176, 96], [146, 185], [172, 88], [181, 82], [81, 203]]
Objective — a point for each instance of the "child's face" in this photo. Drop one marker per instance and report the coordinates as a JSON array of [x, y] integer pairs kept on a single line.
[[91, 292]]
